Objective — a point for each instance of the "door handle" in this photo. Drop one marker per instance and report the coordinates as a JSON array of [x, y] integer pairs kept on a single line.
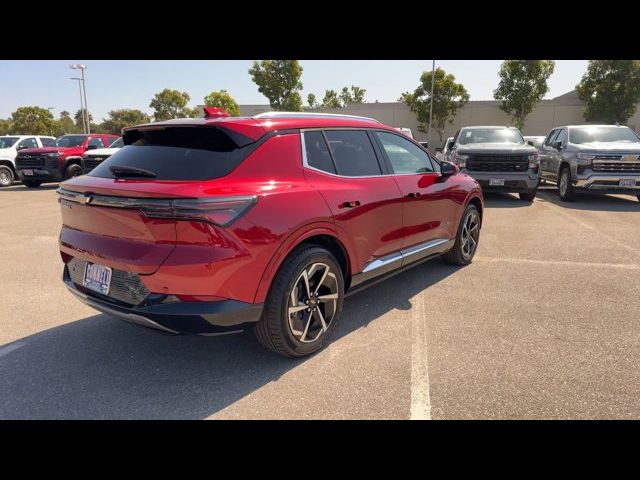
[[414, 195], [351, 204]]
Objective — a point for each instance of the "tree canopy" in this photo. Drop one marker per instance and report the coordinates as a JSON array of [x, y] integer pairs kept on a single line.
[[33, 121], [126, 117], [169, 104], [222, 99], [279, 81]]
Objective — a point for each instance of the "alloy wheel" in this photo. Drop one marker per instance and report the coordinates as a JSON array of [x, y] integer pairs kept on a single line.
[[564, 183], [313, 302], [5, 177], [470, 233]]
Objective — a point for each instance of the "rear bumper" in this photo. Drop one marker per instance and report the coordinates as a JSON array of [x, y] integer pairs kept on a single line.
[[203, 318], [607, 183]]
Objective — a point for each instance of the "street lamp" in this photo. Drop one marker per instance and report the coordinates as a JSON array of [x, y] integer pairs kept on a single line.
[[81, 67], [84, 126]]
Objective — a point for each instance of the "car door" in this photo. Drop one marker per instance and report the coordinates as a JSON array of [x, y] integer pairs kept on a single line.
[[555, 155], [365, 202], [546, 151], [427, 212]]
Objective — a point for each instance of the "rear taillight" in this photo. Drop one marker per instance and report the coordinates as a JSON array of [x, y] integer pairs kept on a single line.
[[220, 211]]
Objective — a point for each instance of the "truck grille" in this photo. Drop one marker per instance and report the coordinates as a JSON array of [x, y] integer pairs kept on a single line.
[[497, 163], [29, 161], [91, 162], [614, 163], [126, 287]]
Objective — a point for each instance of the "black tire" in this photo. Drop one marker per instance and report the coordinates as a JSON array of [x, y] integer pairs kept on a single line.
[[528, 196], [457, 255], [638, 197], [275, 330], [565, 190], [6, 176], [73, 170], [32, 183]]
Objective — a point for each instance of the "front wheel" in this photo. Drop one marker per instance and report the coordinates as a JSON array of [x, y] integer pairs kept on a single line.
[[72, 171], [565, 189], [303, 304], [528, 196], [467, 238], [6, 176]]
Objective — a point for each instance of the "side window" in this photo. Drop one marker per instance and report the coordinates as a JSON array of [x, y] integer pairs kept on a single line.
[[96, 142], [353, 153], [550, 137], [28, 143], [562, 136], [317, 153], [48, 142], [403, 155]]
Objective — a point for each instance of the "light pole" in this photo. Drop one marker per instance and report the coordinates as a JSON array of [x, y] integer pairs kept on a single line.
[[433, 79], [81, 67], [84, 126]]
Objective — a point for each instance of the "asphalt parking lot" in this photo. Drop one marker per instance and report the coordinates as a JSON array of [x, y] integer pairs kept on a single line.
[[544, 324]]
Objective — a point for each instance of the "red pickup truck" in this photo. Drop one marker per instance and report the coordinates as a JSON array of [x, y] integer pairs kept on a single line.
[[62, 161]]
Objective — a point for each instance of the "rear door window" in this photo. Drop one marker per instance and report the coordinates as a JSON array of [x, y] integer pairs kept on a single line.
[[317, 152], [178, 153], [353, 153]]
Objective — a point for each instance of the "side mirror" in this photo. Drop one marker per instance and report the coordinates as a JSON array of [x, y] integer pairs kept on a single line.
[[91, 147], [557, 145], [450, 145], [530, 142], [447, 169]]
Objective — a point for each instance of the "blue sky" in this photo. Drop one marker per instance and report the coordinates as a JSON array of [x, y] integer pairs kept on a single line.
[[114, 84]]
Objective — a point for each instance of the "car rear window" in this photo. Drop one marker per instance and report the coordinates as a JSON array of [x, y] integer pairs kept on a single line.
[[178, 153]]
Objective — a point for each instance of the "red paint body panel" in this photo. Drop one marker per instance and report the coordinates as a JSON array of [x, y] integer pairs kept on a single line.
[[191, 258]]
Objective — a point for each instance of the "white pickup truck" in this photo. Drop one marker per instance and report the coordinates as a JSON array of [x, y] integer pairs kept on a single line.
[[9, 146]]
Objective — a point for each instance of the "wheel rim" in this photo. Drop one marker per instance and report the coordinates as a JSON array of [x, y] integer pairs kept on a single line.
[[5, 178], [564, 183], [313, 302], [470, 234]]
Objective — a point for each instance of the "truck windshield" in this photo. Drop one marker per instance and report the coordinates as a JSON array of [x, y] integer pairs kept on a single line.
[[6, 142], [490, 135], [70, 140], [602, 134]]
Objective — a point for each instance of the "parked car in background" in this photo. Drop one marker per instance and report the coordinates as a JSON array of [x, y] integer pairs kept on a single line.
[[535, 141], [92, 158], [444, 152], [10, 145], [60, 161], [498, 158], [406, 131], [592, 158], [215, 224]]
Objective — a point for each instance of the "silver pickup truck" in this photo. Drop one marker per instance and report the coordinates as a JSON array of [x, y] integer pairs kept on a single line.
[[592, 158]]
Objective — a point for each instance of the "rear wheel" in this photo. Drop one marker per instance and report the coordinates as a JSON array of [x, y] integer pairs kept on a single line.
[[32, 183], [467, 238], [528, 196], [72, 170], [304, 303], [6, 176], [565, 189]]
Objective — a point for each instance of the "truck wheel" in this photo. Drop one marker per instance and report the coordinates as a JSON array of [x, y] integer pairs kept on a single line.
[[303, 304], [528, 196], [72, 170], [565, 189], [466, 239], [31, 183], [6, 176]]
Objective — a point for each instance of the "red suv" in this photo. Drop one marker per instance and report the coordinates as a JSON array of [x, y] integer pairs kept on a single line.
[[212, 225], [60, 161]]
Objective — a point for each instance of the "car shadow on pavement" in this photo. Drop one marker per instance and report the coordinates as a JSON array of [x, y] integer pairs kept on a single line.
[[587, 201], [503, 200], [104, 368]]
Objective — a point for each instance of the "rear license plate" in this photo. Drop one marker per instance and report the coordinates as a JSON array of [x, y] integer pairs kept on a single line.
[[628, 182], [496, 182], [28, 172], [97, 278]]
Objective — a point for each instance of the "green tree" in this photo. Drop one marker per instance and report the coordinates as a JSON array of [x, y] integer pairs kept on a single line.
[[65, 124], [125, 117], [6, 126], [355, 95], [33, 121], [222, 99], [522, 85], [279, 81], [169, 104], [610, 90], [331, 99], [311, 101], [448, 98], [78, 118]]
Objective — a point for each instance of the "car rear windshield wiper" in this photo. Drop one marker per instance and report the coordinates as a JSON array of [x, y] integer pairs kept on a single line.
[[124, 171]]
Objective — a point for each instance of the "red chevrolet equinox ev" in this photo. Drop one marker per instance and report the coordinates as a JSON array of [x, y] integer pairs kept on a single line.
[[213, 225]]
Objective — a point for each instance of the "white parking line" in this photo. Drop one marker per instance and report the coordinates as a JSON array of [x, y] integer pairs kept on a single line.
[[11, 348], [569, 263], [420, 396]]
